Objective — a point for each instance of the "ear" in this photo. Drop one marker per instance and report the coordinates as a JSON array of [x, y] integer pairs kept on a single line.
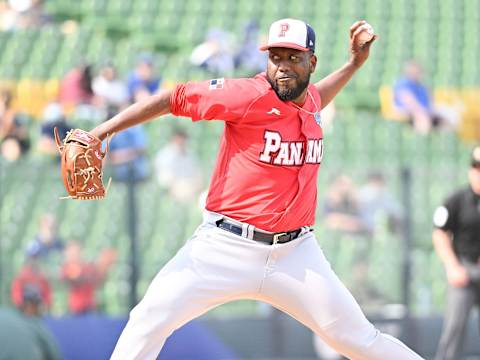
[[313, 63]]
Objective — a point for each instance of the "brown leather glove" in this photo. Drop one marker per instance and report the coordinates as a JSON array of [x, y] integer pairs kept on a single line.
[[81, 156]]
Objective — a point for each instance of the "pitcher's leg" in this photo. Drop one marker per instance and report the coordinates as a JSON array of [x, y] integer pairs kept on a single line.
[[209, 270], [302, 284], [172, 299]]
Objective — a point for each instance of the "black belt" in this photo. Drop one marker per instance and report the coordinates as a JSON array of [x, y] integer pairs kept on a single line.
[[274, 238]]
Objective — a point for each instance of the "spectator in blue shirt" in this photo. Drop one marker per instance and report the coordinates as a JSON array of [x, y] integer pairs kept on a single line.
[[47, 240], [127, 153], [143, 77], [413, 98], [248, 57]]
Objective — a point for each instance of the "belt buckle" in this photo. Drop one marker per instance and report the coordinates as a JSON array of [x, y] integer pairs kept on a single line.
[[277, 236]]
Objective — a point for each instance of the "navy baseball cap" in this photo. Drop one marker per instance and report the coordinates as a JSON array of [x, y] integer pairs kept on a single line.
[[291, 33], [475, 162]]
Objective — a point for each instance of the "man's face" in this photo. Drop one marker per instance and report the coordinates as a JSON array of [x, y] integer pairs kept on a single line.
[[73, 252], [48, 228], [109, 73], [288, 71], [145, 71], [413, 71]]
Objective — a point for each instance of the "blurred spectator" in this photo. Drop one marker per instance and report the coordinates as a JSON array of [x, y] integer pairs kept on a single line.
[[140, 94], [215, 53], [143, 77], [23, 336], [366, 293], [412, 98], [53, 117], [31, 13], [76, 87], [375, 200], [84, 277], [47, 240], [111, 92], [341, 208], [14, 136], [31, 291], [127, 155], [347, 212], [248, 57], [8, 17], [354, 211], [22, 14], [177, 168]]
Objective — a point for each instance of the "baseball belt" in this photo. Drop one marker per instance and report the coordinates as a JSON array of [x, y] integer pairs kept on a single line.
[[270, 239]]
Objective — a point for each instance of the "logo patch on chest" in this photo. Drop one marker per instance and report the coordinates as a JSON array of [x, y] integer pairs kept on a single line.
[[292, 153], [216, 84]]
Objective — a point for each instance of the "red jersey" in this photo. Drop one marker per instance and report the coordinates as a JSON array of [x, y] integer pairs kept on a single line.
[[83, 279], [270, 151], [31, 276]]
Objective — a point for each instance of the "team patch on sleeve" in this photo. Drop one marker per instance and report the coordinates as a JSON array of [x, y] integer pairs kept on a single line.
[[440, 216], [216, 84]]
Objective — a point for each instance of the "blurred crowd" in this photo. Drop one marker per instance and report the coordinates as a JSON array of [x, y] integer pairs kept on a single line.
[[49, 259], [358, 213], [84, 95], [50, 263], [219, 57], [91, 93], [96, 95], [96, 92]]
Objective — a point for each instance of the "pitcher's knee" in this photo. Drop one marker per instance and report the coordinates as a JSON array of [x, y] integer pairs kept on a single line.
[[357, 337]]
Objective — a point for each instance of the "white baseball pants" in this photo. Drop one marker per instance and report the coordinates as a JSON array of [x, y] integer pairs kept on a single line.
[[216, 266]]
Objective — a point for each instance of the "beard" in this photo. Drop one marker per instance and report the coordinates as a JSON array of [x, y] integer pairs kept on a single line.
[[287, 94]]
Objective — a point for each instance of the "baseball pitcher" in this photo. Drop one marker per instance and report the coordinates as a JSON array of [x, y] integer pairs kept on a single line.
[[256, 240]]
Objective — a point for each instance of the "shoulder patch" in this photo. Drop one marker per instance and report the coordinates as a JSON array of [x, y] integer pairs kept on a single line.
[[440, 216], [216, 84]]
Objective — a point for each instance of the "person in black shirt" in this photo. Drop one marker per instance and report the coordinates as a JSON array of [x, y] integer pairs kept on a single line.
[[457, 242]]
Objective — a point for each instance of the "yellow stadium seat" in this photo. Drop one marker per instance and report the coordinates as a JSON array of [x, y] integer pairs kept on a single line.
[[470, 127], [387, 106], [31, 96], [51, 89]]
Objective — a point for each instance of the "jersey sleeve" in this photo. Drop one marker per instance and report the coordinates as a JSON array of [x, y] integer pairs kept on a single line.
[[446, 215], [218, 99]]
